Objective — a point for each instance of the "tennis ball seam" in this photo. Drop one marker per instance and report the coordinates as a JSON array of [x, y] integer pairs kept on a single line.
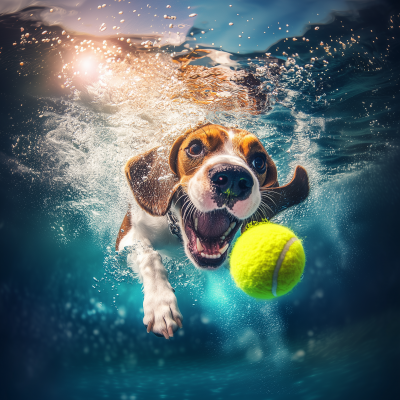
[[279, 264]]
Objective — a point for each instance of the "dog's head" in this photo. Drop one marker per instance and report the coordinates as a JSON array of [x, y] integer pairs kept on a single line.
[[219, 178]]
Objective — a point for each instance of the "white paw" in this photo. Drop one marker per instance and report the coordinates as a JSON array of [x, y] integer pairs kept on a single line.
[[161, 312]]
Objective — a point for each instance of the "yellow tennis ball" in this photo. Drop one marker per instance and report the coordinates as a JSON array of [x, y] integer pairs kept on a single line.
[[267, 260]]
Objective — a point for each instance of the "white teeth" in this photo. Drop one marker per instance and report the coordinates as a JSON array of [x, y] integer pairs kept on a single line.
[[228, 231], [210, 255], [223, 250], [199, 246]]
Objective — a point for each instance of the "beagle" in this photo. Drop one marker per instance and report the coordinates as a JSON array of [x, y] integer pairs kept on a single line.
[[195, 196]]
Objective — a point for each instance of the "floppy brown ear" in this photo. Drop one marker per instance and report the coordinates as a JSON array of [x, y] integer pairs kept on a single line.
[[271, 179], [277, 199], [152, 182]]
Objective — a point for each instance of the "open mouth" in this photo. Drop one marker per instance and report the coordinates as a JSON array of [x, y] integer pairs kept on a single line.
[[209, 235]]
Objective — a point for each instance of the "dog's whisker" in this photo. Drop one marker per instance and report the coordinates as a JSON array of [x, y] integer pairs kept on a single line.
[[188, 210], [180, 197], [184, 216], [268, 198], [270, 194], [259, 215], [185, 201], [192, 211], [266, 192], [265, 211], [185, 196], [266, 206]]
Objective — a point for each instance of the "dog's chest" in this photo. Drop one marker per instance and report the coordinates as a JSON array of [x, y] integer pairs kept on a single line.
[[158, 232]]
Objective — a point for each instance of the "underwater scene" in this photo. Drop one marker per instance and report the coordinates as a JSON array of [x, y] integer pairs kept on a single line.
[[86, 86]]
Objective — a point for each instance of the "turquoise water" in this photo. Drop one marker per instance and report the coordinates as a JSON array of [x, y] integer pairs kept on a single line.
[[71, 310]]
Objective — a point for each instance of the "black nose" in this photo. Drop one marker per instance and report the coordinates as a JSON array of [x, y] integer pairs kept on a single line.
[[231, 181]]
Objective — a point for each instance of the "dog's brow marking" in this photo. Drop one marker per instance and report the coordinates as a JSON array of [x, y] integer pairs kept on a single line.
[[228, 145]]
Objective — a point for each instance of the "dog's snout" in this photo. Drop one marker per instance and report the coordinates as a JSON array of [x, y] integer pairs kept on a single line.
[[231, 181]]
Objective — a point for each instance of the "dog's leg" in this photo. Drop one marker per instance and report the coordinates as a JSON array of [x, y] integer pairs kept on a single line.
[[161, 312]]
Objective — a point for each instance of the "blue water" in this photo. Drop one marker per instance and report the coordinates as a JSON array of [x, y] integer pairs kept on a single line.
[[71, 310]]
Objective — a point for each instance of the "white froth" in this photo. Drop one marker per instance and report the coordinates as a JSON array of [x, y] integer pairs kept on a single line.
[[107, 122]]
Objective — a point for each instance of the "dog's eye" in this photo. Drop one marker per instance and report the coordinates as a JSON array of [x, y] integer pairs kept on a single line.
[[195, 149], [259, 164]]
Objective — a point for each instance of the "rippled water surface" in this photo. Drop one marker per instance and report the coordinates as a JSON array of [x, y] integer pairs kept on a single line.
[[77, 102]]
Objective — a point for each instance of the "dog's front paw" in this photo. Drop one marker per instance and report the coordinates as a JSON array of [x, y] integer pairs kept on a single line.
[[161, 313]]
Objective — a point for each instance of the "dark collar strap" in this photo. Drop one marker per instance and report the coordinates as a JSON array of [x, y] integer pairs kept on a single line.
[[173, 225]]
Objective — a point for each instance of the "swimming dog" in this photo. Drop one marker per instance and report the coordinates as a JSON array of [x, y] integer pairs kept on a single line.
[[196, 195]]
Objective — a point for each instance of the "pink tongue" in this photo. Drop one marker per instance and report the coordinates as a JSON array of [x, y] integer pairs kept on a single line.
[[212, 224]]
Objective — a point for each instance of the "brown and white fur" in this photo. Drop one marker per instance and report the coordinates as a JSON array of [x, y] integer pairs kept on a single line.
[[213, 180]]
